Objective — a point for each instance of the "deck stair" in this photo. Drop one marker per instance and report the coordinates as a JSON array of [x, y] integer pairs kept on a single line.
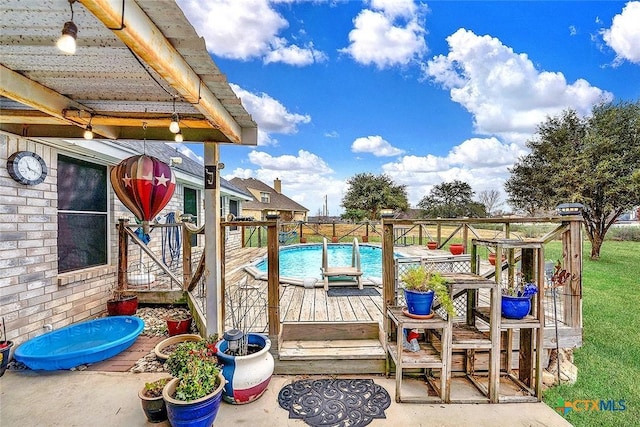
[[330, 348]]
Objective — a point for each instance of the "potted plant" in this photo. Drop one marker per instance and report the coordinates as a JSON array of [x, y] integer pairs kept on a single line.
[[432, 245], [5, 349], [179, 322], [516, 298], [247, 365], [492, 258], [152, 402], [193, 397], [123, 303], [166, 347], [456, 248], [420, 286]]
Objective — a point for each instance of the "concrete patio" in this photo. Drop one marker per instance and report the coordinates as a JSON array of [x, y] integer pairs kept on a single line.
[[90, 398]]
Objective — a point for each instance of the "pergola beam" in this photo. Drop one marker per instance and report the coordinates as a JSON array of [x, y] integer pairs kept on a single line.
[[141, 35], [25, 91]]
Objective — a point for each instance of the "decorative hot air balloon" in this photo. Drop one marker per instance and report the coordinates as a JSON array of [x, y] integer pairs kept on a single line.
[[144, 185]]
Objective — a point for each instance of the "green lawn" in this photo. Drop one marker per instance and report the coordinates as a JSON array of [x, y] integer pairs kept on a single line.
[[609, 360]]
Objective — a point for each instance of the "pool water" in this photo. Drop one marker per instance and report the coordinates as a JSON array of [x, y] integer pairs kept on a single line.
[[302, 261]]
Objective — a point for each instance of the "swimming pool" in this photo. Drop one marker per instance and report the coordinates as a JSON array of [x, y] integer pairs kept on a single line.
[[305, 261]]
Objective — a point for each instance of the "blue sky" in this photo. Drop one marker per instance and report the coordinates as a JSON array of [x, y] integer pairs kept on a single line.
[[425, 92]]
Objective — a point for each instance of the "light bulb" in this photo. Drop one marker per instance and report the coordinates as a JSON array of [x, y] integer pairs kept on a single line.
[[67, 42], [174, 127], [179, 137], [88, 132]]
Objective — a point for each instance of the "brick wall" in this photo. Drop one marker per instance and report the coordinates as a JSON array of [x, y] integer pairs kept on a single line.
[[32, 294]]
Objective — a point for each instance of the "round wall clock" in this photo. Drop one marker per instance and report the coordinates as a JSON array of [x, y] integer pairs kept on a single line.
[[27, 167]]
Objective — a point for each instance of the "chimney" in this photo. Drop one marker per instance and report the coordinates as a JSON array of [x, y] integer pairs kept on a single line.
[[277, 185]]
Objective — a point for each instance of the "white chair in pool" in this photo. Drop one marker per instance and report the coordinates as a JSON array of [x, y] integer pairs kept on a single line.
[[342, 275]]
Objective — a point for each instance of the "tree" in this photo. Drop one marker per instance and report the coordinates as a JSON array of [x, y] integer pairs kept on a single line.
[[491, 200], [451, 200], [371, 193], [594, 161], [355, 215]]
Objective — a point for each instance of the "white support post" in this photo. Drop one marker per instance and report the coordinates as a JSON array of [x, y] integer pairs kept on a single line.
[[212, 250]]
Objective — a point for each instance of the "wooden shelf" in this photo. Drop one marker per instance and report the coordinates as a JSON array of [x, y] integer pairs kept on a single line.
[[427, 357], [469, 337], [526, 322]]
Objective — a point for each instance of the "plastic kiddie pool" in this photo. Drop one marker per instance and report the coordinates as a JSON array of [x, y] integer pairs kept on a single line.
[[85, 342]]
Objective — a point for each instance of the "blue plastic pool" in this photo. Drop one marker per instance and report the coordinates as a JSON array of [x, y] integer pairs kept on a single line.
[[84, 342], [302, 261]]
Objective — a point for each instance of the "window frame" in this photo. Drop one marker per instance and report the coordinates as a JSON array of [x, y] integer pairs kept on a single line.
[[108, 213]]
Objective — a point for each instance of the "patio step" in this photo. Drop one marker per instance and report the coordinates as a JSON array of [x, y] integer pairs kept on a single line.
[[330, 348]]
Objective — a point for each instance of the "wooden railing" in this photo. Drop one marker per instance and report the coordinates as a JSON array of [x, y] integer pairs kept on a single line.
[[567, 229]]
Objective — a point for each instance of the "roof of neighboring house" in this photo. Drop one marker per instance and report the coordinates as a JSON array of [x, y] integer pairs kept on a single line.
[[277, 201], [164, 152]]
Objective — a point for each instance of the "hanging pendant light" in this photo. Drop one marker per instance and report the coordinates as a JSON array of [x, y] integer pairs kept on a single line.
[[67, 41], [178, 137], [174, 127], [88, 132]]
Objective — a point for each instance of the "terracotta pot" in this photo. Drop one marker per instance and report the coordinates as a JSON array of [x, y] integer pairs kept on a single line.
[[456, 248], [492, 258], [159, 348], [178, 326], [303, 240], [125, 306], [432, 245], [334, 239], [365, 239]]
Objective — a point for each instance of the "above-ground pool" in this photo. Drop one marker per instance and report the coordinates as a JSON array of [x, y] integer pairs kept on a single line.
[[305, 261], [85, 342]]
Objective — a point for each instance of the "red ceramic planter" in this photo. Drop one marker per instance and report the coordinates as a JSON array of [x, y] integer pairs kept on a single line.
[[432, 245], [456, 248], [126, 306], [178, 327]]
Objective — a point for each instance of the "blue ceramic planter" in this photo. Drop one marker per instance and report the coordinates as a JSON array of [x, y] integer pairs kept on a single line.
[[196, 413], [515, 307], [418, 302]]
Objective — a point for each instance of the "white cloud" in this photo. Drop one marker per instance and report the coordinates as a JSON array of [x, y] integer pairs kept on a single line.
[[294, 55], [376, 146], [245, 30], [306, 178], [624, 35], [305, 162], [270, 115], [503, 90], [392, 34], [482, 162]]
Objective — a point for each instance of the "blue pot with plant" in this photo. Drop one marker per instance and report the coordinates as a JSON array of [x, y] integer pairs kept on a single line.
[[516, 300], [193, 397], [420, 287]]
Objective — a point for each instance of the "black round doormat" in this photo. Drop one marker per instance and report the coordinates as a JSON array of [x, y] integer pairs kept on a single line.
[[335, 402]]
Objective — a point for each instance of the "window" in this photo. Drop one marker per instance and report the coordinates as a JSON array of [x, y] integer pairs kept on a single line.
[[265, 197], [82, 214], [233, 209]]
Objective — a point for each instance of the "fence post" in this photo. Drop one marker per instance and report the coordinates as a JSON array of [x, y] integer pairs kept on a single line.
[[388, 269], [186, 256], [273, 280], [123, 254]]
